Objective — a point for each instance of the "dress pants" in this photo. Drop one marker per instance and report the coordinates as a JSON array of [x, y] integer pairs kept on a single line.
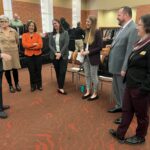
[[91, 75], [60, 69], [35, 67], [15, 76], [118, 89], [134, 102], [1, 98]]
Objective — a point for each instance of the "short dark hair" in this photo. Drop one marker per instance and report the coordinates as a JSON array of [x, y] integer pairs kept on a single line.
[[61, 28], [28, 24], [146, 21], [127, 10], [78, 24]]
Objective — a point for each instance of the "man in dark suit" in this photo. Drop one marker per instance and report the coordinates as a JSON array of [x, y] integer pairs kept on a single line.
[[121, 48], [6, 57]]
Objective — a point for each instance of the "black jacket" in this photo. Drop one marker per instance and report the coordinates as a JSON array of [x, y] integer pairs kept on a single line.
[[138, 71], [1, 65]]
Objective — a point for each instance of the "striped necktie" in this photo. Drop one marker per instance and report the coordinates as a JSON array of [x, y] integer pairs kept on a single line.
[[117, 34]]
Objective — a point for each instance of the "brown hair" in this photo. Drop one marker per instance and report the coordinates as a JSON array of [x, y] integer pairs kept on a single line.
[[28, 24], [60, 27], [90, 34]]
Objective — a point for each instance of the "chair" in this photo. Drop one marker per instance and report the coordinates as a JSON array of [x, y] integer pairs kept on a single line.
[[74, 68], [108, 80]]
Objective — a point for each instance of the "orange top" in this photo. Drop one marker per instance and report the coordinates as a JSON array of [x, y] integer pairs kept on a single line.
[[28, 43]]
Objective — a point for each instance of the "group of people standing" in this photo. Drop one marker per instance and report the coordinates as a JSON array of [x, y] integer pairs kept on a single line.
[[129, 62]]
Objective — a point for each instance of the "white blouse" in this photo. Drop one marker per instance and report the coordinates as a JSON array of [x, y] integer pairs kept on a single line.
[[57, 42]]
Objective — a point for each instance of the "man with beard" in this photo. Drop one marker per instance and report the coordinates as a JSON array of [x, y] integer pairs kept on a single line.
[[120, 50]]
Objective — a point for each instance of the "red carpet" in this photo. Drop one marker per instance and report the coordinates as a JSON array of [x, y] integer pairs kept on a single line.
[[46, 120]]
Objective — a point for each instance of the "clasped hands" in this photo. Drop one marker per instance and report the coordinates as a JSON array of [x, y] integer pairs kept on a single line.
[[84, 53], [33, 46], [58, 55]]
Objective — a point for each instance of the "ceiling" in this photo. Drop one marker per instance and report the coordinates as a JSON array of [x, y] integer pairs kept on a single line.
[[96, 4], [113, 4]]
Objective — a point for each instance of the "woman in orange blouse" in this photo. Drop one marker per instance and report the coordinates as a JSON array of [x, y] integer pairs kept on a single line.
[[32, 42]]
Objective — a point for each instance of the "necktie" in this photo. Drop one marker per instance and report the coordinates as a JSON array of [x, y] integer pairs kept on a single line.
[[117, 34]]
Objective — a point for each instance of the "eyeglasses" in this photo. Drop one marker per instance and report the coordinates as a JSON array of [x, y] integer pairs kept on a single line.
[[3, 21]]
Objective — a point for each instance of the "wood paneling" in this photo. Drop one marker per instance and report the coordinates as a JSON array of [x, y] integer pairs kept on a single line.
[[1, 7]]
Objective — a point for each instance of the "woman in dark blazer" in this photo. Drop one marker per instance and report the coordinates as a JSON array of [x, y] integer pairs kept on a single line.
[[58, 43], [137, 92], [91, 52]]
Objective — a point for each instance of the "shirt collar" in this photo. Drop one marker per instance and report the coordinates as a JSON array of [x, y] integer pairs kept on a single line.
[[11, 30], [125, 25]]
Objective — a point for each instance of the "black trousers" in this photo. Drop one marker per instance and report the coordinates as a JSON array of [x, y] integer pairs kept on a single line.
[[1, 98], [60, 69], [134, 102], [15, 76], [35, 66]]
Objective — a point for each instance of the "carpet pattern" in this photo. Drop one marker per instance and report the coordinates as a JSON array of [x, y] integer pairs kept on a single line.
[[46, 120]]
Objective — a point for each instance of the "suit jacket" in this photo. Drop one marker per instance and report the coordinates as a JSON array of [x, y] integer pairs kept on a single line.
[[95, 48], [121, 49], [63, 43], [27, 43], [138, 72]]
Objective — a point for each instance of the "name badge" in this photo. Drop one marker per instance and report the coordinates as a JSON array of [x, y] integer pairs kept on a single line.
[[143, 53]]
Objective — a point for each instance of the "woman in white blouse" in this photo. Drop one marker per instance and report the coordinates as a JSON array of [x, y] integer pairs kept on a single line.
[[58, 44]]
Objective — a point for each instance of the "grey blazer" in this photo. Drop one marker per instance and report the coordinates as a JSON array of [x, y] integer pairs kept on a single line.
[[121, 49], [63, 43]]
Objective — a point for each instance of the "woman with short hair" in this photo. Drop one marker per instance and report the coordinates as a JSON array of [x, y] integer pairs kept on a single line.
[[32, 42], [137, 91], [9, 45]]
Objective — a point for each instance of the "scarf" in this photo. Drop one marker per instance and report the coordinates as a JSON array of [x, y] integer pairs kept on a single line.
[[141, 43]]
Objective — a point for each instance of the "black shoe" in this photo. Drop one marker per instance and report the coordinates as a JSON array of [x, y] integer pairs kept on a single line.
[[40, 88], [93, 98], [115, 110], [135, 140], [18, 88], [63, 93], [118, 120], [11, 89], [6, 107], [114, 134], [3, 115], [86, 96]]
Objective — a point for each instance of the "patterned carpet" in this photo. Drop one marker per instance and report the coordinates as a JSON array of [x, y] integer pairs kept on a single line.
[[46, 120]]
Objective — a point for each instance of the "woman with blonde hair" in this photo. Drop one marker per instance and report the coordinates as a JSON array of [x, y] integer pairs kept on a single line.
[[91, 52]]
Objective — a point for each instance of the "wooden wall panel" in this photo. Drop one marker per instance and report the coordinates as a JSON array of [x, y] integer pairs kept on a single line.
[[1, 7]]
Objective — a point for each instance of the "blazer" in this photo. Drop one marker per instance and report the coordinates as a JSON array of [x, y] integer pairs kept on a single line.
[[95, 48], [63, 43], [27, 43], [138, 71], [122, 48]]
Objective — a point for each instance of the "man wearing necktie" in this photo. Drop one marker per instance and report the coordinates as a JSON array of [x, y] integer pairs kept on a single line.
[[120, 50]]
